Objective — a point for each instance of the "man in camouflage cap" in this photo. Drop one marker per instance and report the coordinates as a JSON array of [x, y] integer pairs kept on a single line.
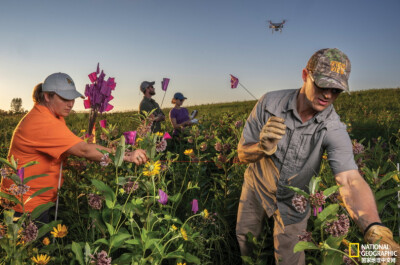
[[283, 141]]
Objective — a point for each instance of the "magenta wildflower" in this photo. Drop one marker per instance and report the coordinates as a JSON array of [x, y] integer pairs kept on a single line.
[[163, 197], [195, 206], [167, 136], [130, 137], [21, 173], [103, 123]]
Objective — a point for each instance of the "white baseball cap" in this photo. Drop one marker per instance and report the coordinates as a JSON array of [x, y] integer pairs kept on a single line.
[[61, 84]]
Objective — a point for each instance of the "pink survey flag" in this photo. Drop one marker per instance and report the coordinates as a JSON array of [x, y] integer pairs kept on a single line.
[[234, 81], [164, 84]]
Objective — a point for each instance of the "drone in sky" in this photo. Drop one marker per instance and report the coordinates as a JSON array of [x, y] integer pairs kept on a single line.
[[276, 26]]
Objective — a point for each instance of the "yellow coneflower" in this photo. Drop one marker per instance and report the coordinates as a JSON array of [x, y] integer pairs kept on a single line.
[[159, 134], [152, 168], [184, 234], [174, 227], [188, 152], [41, 259], [139, 140], [46, 241], [325, 157], [205, 213], [61, 231]]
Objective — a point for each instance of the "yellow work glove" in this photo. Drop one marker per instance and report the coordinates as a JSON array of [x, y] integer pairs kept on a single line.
[[382, 235], [271, 133]]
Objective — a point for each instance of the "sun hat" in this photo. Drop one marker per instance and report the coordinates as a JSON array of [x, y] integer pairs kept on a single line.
[[179, 96], [146, 84], [330, 68], [61, 84]]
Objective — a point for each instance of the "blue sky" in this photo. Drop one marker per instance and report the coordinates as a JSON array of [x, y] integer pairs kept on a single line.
[[196, 44]]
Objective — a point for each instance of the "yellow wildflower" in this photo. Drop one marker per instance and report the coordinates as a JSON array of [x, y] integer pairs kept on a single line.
[[61, 231], [152, 168], [205, 213], [325, 157], [46, 241], [174, 227], [41, 259], [82, 131], [122, 191], [159, 134], [180, 263], [184, 234], [345, 242], [396, 178], [139, 140], [188, 152]]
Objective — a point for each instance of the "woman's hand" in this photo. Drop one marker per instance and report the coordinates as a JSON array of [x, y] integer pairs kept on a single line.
[[138, 157]]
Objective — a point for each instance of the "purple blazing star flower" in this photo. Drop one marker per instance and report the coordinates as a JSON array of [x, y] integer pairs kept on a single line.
[[195, 206], [103, 123], [130, 137], [163, 197], [21, 173], [99, 92]]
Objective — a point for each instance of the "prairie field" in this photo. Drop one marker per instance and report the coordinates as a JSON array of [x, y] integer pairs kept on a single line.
[[180, 208]]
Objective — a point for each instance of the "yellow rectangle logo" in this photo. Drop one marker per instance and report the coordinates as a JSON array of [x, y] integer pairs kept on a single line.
[[357, 245]]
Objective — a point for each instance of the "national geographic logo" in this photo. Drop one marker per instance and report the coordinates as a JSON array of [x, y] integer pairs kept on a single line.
[[372, 253]]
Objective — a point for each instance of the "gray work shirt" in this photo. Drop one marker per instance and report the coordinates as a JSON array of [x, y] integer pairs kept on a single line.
[[148, 104], [299, 153]]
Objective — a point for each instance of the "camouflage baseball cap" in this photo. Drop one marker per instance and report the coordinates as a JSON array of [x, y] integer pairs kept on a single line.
[[330, 68]]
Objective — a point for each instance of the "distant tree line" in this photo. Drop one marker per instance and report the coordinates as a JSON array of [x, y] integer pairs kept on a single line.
[[15, 107]]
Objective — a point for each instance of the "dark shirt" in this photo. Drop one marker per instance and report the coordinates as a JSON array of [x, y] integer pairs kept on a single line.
[[149, 104]]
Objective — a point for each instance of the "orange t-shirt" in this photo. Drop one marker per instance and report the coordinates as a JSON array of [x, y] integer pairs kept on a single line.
[[41, 137]]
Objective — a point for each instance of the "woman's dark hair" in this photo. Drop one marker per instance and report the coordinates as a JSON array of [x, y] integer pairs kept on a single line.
[[38, 94]]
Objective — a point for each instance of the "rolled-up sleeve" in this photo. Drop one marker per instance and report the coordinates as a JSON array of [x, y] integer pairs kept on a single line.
[[339, 148], [254, 123]]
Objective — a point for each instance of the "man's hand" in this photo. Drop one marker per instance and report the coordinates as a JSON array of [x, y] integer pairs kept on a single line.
[[271, 133], [138, 157], [382, 235], [160, 117]]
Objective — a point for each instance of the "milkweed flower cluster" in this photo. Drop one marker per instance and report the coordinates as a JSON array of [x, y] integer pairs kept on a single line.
[[317, 200], [305, 236], [95, 201], [338, 227], [130, 186], [161, 145], [299, 202], [101, 258], [30, 233], [358, 148], [18, 190], [238, 124]]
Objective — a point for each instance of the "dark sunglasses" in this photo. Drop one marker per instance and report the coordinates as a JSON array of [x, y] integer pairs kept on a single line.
[[335, 91]]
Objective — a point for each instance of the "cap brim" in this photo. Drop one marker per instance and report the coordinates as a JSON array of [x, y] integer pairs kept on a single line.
[[69, 95], [329, 82]]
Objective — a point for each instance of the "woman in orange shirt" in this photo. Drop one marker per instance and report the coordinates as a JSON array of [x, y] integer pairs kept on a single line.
[[43, 136]]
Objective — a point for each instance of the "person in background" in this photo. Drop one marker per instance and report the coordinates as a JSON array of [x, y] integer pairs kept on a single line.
[[179, 116], [283, 141], [148, 104], [43, 136]]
